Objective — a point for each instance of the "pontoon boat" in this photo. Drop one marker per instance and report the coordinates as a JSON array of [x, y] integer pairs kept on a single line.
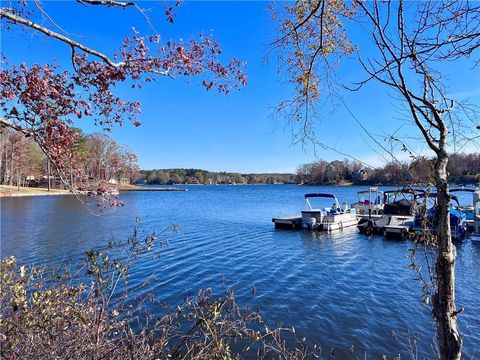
[[476, 227], [398, 214], [328, 218], [370, 202], [458, 223]]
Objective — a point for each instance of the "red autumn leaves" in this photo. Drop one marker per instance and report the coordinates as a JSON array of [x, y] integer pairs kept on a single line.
[[44, 100]]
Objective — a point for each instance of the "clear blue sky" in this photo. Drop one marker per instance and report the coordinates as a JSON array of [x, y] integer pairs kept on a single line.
[[185, 126]]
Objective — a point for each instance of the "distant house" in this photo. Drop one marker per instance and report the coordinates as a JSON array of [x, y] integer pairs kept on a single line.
[[112, 182], [361, 175]]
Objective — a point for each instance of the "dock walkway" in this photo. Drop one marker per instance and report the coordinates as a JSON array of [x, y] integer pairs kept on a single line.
[[290, 222]]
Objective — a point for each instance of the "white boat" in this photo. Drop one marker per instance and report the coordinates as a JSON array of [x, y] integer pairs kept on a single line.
[[467, 209], [399, 208], [476, 222], [328, 218], [370, 202]]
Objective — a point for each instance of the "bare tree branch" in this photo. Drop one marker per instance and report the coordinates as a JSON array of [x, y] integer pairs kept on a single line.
[[74, 44]]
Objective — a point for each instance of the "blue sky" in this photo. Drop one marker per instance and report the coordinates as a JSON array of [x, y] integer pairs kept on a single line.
[[185, 126]]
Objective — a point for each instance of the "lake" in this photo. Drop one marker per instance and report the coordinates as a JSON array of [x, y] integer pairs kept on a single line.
[[337, 290]]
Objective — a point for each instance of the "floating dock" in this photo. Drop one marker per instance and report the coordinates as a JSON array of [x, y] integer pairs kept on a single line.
[[290, 222], [398, 227]]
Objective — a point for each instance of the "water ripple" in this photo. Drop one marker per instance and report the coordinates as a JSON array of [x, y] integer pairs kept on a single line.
[[338, 290]]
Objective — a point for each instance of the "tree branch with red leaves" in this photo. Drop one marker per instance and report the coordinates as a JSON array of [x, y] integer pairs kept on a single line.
[[44, 101]]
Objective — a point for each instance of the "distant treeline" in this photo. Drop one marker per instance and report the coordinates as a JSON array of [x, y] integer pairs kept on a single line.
[[199, 176], [462, 169]]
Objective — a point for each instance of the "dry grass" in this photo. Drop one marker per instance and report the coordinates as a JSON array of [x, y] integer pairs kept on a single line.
[[6, 191]]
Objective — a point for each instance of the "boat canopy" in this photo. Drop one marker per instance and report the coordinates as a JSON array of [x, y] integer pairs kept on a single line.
[[322, 195], [434, 195], [454, 213], [452, 197], [415, 192], [372, 189], [464, 190], [405, 191]]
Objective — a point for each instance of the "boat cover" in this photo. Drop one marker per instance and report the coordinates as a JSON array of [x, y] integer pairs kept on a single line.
[[314, 195]]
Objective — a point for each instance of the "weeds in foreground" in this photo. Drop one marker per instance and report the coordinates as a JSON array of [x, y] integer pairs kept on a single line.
[[86, 312]]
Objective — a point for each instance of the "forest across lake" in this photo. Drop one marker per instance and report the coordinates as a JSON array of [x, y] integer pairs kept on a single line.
[[463, 169]]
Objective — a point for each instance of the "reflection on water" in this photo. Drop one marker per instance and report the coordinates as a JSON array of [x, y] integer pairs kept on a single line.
[[338, 289]]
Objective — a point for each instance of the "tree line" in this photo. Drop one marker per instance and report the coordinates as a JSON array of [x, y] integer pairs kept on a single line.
[[199, 176], [461, 168], [95, 158]]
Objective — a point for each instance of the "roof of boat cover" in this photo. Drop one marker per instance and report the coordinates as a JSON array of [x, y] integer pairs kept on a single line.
[[405, 191], [466, 190], [312, 195], [373, 189]]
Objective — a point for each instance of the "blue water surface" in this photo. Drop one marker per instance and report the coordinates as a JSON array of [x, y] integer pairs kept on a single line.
[[337, 290]]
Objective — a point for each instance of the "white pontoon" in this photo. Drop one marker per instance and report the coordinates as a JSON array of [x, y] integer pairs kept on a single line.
[[328, 218], [398, 214], [370, 202]]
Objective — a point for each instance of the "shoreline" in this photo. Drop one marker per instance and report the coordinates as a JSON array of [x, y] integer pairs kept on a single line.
[[7, 191], [127, 188], [12, 191]]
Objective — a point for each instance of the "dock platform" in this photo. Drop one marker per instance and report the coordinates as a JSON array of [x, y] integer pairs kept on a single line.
[[395, 231], [398, 227], [291, 222]]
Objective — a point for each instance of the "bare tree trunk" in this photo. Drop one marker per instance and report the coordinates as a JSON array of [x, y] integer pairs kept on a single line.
[[49, 174], [444, 310], [2, 147], [6, 166], [10, 172]]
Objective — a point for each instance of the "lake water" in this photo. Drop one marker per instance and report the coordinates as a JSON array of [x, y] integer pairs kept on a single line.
[[337, 290]]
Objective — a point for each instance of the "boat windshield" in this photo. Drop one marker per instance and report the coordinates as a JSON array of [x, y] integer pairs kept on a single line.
[[476, 203], [371, 196], [393, 196], [464, 195], [326, 198]]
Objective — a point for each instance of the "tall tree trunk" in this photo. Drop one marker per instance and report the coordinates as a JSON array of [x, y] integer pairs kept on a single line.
[[10, 173], [49, 173], [444, 310], [6, 166], [2, 147]]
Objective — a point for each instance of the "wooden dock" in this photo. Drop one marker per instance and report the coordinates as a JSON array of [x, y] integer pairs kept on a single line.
[[291, 222], [398, 227]]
